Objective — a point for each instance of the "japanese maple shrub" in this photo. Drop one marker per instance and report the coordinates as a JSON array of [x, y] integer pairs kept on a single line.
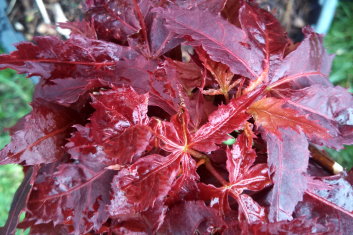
[[130, 118]]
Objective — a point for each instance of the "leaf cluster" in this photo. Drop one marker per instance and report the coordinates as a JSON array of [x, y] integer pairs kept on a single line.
[[129, 119]]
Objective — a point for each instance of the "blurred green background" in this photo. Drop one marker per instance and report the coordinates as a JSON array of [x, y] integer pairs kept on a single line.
[[16, 92]]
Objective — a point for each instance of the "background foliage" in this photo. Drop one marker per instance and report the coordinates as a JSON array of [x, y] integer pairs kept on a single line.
[[16, 92]]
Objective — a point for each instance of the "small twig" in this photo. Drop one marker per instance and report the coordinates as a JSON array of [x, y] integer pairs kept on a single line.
[[60, 17], [325, 161], [208, 165], [200, 162], [10, 6], [288, 14], [215, 173], [43, 11]]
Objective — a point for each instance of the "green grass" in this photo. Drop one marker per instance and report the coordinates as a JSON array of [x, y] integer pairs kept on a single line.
[[339, 41], [10, 178], [15, 94]]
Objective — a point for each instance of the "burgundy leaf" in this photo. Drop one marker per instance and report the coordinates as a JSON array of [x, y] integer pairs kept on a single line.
[[132, 110], [240, 158], [189, 75], [40, 136], [250, 210], [168, 134], [81, 146], [135, 141], [117, 109], [213, 6], [298, 226], [199, 109], [242, 173], [49, 229], [270, 114], [138, 187], [224, 120], [114, 20], [339, 194], [220, 73], [190, 217], [328, 106], [174, 135], [185, 186], [164, 90], [308, 64], [119, 120], [231, 11], [50, 58], [67, 91], [224, 43], [242, 176], [132, 21], [71, 193], [288, 158], [322, 207], [147, 222], [268, 37], [217, 197], [161, 39]]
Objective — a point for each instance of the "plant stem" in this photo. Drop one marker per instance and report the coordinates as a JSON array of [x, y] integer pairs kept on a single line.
[[215, 173], [226, 96], [208, 165]]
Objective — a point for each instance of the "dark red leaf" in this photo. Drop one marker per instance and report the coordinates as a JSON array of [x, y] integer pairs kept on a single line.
[[40, 136], [288, 158], [72, 194], [242, 176], [119, 120], [67, 91], [213, 6], [114, 19], [189, 75], [270, 114], [147, 222], [224, 43], [250, 210], [185, 186], [190, 217], [153, 89], [161, 39], [50, 57], [268, 38], [132, 21], [221, 73], [242, 173], [331, 208], [308, 64], [328, 106], [298, 226], [223, 121], [138, 187], [339, 193], [116, 110], [199, 109], [49, 229], [135, 141]]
